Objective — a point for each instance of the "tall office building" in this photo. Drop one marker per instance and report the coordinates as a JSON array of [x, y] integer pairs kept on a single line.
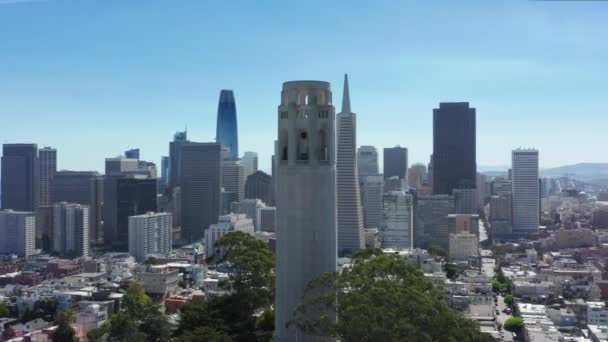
[[260, 185], [150, 234], [17, 229], [268, 219], [306, 198], [233, 178], [115, 225], [200, 179], [526, 192], [454, 147], [465, 201], [179, 138], [47, 166], [85, 188], [395, 163], [250, 163], [431, 221], [165, 161], [44, 227], [251, 208], [367, 161], [416, 177], [483, 190], [20, 177], [372, 190], [350, 216], [397, 228], [71, 230], [132, 153], [227, 132]]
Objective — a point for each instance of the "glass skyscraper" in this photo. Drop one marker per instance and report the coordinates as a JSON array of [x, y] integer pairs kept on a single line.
[[227, 133]]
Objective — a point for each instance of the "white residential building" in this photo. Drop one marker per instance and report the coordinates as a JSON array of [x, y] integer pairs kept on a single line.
[[597, 313], [251, 208], [396, 230], [91, 318], [463, 246], [150, 234], [225, 225], [18, 233]]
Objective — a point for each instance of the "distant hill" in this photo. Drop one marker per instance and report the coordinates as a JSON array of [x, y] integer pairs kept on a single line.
[[596, 172]]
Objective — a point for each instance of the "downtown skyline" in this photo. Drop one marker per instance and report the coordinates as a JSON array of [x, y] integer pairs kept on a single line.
[[530, 80]]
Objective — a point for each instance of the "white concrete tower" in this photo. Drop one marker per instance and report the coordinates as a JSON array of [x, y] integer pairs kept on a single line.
[[305, 198], [350, 215]]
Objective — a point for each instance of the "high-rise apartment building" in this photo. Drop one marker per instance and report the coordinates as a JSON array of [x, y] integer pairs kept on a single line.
[[396, 230], [17, 230], [20, 180], [395, 163], [250, 163], [200, 179], [350, 216], [47, 167], [227, 132], [150, 234], [259, 185], [526, 192], [233, 178], [454, 147], [85, 188], [367, 161], [71, 230], [305, 191], [431, 221], [416, 177], [373, 190]]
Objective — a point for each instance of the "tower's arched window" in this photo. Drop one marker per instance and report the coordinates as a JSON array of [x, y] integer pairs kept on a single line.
[[303, 140], [284, 145], [322, 152]]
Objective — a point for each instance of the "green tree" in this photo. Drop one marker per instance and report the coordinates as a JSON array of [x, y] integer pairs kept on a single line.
[[155, 325], [4, 311], [205, 334], [136, 301], [253, 264], [381, 298], [124, 328], [439, 252], [509, 299], [65, 332], [264, 325], [514, 324]]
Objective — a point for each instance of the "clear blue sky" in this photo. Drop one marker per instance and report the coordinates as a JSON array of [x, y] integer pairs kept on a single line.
[[96, 77]]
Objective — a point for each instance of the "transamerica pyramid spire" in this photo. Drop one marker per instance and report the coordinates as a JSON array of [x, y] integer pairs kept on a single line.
[[346, 96]]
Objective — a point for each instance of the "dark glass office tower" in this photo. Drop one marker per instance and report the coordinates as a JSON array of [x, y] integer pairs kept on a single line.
[[200, 182], [395, 162], [227, 133], [47, 167], [174, 152], [454, 147], [20, 177], [133, 196], [132, 153], [85, 188]]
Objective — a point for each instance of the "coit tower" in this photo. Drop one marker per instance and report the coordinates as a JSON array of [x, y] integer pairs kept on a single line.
[[305, 170]]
